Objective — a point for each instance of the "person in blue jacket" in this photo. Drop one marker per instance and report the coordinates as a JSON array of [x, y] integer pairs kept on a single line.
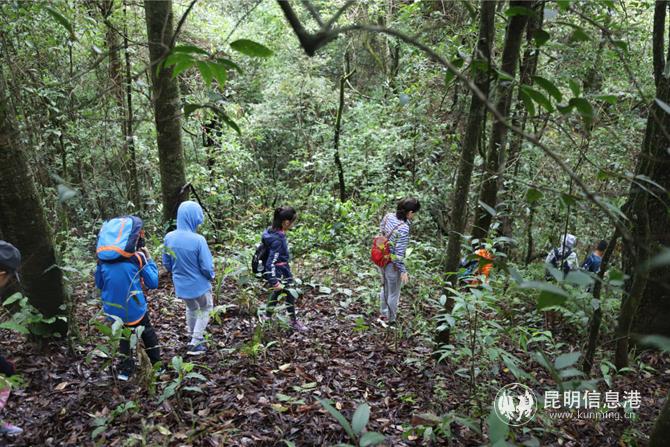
[[277, 269], [122, 285], [187, 256]]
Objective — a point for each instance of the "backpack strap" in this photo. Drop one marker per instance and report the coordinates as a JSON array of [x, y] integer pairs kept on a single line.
[[141, 259], [393, 230]]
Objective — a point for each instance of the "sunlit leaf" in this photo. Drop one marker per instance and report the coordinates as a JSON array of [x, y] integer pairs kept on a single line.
[[251, 48]]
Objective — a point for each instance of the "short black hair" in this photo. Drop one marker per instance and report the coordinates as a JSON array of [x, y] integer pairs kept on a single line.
[[281, 214], [405, 206], [602, 245]]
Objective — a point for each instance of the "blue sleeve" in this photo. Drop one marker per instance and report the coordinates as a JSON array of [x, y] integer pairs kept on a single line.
[[168, 260], [149, 274], [205, 260], [99, 281], [270, 270]]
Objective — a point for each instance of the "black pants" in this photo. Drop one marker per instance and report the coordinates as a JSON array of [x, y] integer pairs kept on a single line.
[[288, 297], [150, 341]]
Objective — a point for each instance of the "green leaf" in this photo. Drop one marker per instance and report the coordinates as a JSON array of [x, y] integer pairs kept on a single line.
[[12, 299], [371, 438], [360, 418], [563, 4], [220, 73], [549, 87], [584, 108], [579, 35], [579, 278], [611, 99], [181, 66], [191, 49], [205, 71], [541, 37], [519, 11], [621, 44], [230, 64], [527, 102], [487, 208], [565, 360], [660, 260], [533, 195], [574, 86], [339, 417], [497, 428], [230, 123], [538, 97], [14, 326], [251, 48], [550, 295], [65, 23]]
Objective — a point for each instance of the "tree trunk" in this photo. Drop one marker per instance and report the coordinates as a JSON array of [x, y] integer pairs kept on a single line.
[[23, 222], [470, 141], [135, 193], [646, 307], [520, 117], [594, 324], [661, 431], [336, 142], [167, 107], [495, 158]]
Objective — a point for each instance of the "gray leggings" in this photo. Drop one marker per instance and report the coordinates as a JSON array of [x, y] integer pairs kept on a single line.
[[390, 293], [197, 316]]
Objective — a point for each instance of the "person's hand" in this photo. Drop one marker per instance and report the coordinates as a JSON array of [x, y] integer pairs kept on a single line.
[[278, 286], [404, 277], [145, 250]]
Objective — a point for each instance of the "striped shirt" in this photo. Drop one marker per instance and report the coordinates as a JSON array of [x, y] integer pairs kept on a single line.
[[398, 240]]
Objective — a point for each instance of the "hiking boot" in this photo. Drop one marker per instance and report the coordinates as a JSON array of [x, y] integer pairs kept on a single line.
[[10, 429], [198, 349], [298, 326]]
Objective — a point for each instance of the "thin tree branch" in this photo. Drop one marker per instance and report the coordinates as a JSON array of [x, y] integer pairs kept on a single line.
[[313, 12]]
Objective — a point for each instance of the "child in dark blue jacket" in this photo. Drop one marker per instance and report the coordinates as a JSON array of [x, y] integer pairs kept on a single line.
[[121, 283], [277, 269]]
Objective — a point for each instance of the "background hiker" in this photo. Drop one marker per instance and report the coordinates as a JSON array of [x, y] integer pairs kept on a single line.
[[188, 257], [10, 261], [124, 268], [396, 226], [277, 269]]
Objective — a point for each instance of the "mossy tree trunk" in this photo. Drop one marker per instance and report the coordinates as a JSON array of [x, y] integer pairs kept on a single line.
[[167, 106]]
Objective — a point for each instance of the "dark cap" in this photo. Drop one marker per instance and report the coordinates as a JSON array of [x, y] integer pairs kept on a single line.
[[10, 257]]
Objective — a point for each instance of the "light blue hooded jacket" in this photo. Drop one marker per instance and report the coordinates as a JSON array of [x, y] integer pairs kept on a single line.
[[187, 255]]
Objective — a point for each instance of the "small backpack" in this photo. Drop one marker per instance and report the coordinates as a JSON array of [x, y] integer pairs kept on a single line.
[[118, 237], [259, 259], [380, 254], [559, 259]]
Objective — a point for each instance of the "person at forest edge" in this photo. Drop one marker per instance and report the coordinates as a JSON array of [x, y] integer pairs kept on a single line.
[[396, 227], [593, 261], [188, 257], [122, 284], [564, 257], [10, 261], [277, 269]]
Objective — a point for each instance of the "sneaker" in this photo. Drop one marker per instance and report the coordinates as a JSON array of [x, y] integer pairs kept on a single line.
[[123, 376], [198, 349], [9, 429], [298, 326]]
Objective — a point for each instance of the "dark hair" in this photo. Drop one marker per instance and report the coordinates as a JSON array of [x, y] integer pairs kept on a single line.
[[405, 206], [281, 214], [602, 245]]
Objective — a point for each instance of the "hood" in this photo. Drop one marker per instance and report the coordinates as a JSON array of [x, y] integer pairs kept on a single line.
[[270, 234], [189, 216], [568, 242]]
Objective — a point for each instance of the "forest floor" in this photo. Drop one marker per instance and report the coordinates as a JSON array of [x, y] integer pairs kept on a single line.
[[261, 384]]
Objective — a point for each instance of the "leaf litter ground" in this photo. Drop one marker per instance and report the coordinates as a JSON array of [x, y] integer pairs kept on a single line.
[[263, 390]]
